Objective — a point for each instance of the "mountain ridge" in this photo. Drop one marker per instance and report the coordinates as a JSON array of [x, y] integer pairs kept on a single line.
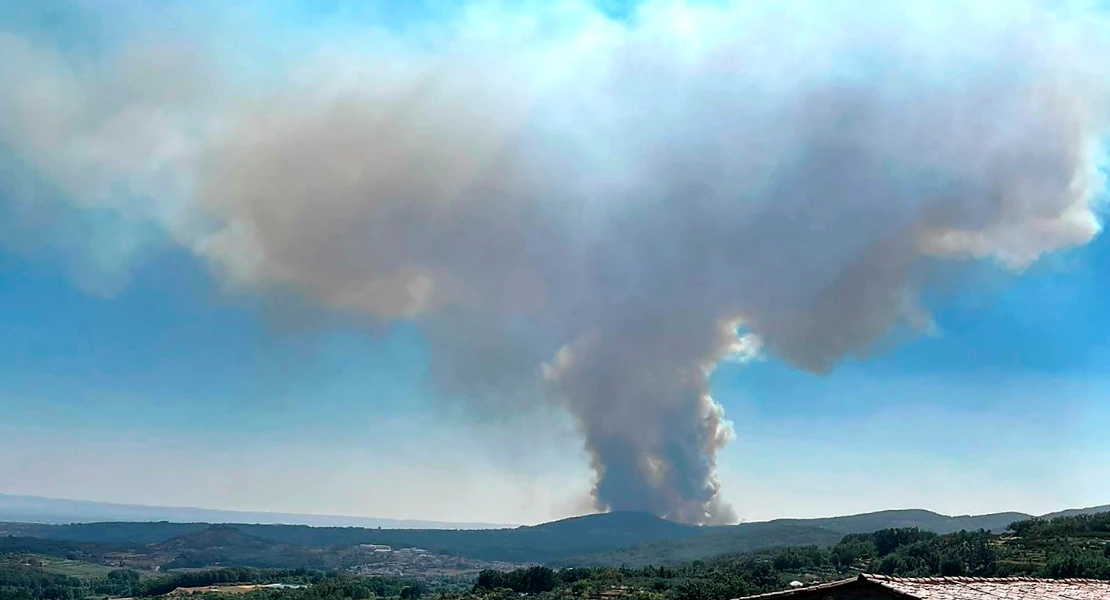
[[920, 518], [1073, 512]]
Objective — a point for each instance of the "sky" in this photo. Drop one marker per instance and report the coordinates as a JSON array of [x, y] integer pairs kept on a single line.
[[134, 369]]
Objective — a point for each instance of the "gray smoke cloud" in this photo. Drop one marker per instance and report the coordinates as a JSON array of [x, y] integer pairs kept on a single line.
[[597, 212]]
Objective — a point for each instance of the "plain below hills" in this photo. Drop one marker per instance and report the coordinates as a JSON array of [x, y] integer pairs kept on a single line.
[[629, 538]]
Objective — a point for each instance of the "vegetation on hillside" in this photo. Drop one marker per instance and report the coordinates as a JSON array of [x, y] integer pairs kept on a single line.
[[540, 543], [614, 538], [1077, 546], [20, 580], [1067, 547], [23, 578], [730, 541]]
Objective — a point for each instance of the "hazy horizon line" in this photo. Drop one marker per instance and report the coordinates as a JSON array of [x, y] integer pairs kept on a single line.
[[57, 516]]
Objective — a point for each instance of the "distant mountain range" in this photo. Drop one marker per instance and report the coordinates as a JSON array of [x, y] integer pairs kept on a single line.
[[614, 538], [35, 509]]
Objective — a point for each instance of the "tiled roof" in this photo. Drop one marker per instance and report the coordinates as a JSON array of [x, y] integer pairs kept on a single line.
[[966, 588], [982, 588]]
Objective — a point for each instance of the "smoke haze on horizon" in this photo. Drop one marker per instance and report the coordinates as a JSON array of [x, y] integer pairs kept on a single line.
[[589, 210]]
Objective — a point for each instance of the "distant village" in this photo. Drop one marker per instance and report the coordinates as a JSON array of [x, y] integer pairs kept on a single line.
[[386, 560]]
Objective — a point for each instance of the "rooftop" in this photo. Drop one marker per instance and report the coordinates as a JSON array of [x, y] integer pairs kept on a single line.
[[962, 588]]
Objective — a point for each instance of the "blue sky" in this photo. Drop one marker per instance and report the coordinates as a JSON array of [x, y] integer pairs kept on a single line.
[[170, 383], [147, 381]]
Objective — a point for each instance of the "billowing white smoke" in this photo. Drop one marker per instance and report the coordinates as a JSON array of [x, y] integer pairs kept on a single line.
[[593, 210]]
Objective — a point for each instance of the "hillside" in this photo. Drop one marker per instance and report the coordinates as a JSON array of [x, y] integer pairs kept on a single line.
[[24, 577], [921, 519], [549, 541], [1077, 512], [823, 532], [56, 548], [745, 538], [216, 536], [612, 538], [226, 545], [1066, 547], [1070, 547]]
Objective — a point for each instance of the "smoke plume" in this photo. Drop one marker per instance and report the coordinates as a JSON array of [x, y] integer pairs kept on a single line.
[[592, 210]]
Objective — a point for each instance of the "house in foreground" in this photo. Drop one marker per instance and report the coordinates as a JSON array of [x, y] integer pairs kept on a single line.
[[881, 587]]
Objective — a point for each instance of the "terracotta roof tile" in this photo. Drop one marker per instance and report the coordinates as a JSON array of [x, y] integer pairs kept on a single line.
[[969, 588], [981, 588]]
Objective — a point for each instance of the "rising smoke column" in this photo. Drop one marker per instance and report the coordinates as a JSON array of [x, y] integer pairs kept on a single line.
[[598, 212]]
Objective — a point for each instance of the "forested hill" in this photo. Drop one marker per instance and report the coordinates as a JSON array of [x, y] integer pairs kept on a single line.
[[540, 543], [1076, 512], [921, 519], [612, 538], [1067, 547]]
